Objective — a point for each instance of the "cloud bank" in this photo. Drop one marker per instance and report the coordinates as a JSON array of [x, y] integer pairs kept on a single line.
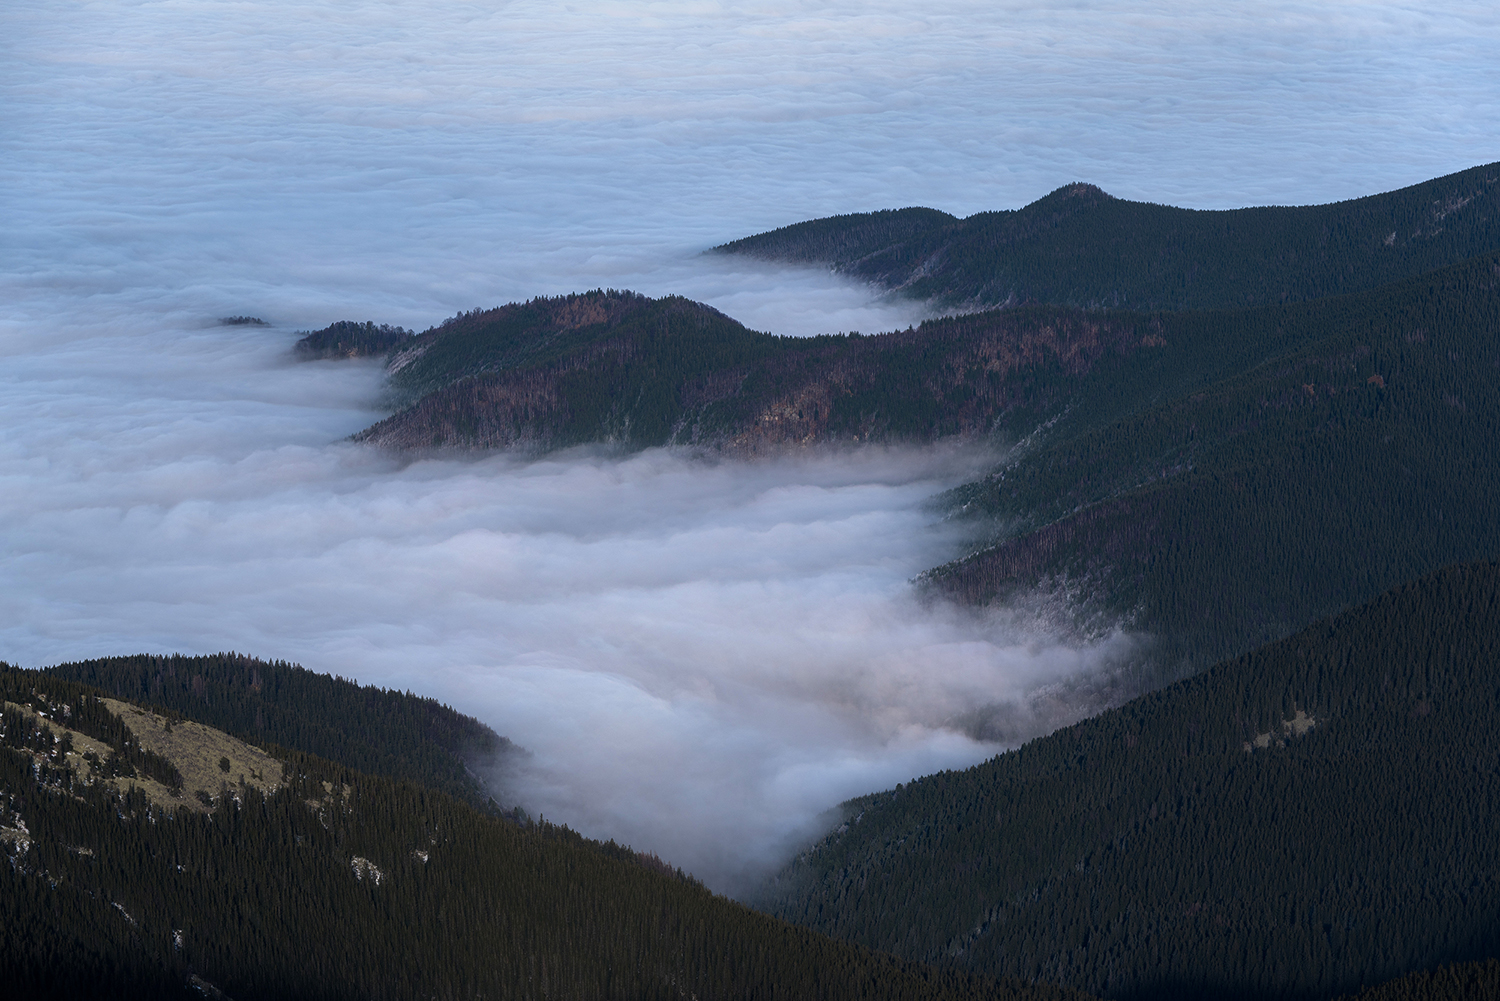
[[701, 656], [415, 157]]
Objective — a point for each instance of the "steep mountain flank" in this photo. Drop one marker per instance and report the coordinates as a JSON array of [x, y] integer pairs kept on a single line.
[[1234, 511], [327, 883], [1295, 823], [1079, 246]]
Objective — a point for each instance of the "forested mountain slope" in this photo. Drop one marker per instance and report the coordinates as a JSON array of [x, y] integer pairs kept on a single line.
[[1078, 246], [1315, 816], [1217, 479], [363, 727], [1363, 454], [621, 368], [327, 883]]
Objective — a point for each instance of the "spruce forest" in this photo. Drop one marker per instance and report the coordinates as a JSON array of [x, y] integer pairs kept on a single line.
[[1267, 439], [1295, 823]]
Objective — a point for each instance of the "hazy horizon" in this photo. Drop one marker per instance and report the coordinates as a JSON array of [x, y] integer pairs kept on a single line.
[[702, 656]]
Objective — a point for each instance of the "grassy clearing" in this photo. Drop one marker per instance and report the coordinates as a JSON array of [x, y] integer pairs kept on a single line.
[[77, 762], [200, 753]]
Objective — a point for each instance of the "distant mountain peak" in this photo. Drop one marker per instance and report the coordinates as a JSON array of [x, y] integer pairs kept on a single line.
[[1079, 191]]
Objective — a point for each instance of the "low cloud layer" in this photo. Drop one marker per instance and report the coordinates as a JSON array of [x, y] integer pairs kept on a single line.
[[701, 656], [415, 157]]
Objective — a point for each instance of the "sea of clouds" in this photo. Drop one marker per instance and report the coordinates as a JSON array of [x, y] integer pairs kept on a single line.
[[701, 656]]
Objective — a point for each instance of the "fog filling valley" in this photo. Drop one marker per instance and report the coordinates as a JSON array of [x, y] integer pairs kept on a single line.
[[701, 656]]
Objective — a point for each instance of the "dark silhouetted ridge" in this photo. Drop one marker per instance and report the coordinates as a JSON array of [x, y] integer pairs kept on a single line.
[[639, 372], [1078, 246]]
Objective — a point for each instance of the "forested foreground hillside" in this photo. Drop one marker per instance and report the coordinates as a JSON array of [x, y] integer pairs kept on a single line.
[[1078, 246], [369, 729], [327, 883], [1310, 818]]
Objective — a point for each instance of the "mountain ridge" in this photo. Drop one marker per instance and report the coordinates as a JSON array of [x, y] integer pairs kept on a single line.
[[1082, 247], [671, 372]]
